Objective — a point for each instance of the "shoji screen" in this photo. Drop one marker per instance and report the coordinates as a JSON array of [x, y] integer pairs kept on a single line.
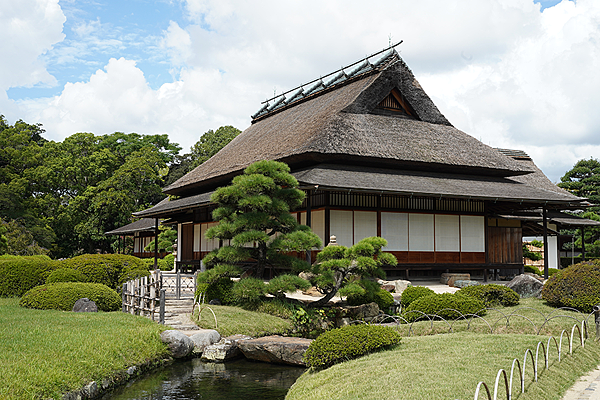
[[341, 225], [420, 232], [206, 244], [472, 233], [365, 225], [394, 229], [447, 233]]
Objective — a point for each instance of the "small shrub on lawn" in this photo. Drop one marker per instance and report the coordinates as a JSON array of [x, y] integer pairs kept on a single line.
[[492, 295], [63, 295], [367, 291], [111, 270], [66, 275], [577, 286], [446, 305], [349, 342], [216, 284], [533, 270], [412, 293], [18, 274]]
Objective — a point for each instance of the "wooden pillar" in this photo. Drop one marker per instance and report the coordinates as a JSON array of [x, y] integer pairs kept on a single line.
[[309, 222], [155, 243], [583, 243], [545, 230]]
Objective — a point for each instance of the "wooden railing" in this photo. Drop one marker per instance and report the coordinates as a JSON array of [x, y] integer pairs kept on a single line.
[[145, 296]]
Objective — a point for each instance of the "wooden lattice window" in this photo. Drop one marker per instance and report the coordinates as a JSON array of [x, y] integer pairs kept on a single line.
[[396, 102]]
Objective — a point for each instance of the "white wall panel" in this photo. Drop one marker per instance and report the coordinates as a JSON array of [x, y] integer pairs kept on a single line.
[[197, 237], [206, 244]]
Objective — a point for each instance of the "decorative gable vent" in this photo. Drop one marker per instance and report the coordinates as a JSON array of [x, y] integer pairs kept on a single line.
[[395, 102]]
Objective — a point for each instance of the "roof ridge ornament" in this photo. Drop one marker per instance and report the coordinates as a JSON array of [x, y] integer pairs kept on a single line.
[[341, 77]]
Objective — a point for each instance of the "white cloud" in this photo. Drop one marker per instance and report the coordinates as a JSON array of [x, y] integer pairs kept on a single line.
[[500, 70], [28, 28]]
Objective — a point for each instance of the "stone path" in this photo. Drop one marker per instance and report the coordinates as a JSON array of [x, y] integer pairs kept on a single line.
[[586, 388], [177, 315]]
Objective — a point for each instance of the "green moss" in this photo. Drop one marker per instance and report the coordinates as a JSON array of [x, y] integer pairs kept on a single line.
[[63, 295], [577, 286], [348, 342], [492, 295], [445, 305]]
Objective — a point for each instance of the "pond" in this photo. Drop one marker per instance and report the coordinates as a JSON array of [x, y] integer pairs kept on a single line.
[[195, 379]]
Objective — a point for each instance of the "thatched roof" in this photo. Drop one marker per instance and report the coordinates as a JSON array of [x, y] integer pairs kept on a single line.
[[425, 183], [142, 225], [171, 206], [343, 123]]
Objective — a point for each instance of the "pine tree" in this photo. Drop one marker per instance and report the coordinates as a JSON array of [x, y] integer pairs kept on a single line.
[[254, 216]]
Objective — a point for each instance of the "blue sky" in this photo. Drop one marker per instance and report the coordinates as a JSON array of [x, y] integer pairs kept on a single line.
[[512, 73]]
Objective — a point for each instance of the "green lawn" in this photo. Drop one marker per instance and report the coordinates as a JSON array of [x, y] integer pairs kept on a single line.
[[447, 366], [45, 353], [435, 364]]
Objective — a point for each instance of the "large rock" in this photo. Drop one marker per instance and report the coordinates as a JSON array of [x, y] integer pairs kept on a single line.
[[399, 285], [203, 339], [364, 312], [85, 305], [526, 286], [461, 284], [225, 349], [448, 278], [179, 344], [276, 349]]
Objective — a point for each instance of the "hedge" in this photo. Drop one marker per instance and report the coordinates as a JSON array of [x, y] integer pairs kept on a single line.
[[63, 295], [66, 275], [492, 294], [348, 342], [443, 305], [164, 264], [111, 270], [18, 274], [577, 286], [412, 293]]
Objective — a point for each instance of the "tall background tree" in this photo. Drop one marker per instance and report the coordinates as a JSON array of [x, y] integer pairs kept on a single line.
[[583, 180]]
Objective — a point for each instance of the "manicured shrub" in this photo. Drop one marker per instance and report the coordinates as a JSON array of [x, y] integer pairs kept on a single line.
[[66, 275], [492, 295], [248, 291], [349, 342], [18, 274], [282, 284], [164, 264], [412, 293], [63, 295], [533, 270], [216, 284], [382, 298], [577, 286], [445, 305], [111, 270]]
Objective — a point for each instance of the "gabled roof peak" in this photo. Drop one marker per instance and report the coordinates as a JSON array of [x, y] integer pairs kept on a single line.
[[334, 79]]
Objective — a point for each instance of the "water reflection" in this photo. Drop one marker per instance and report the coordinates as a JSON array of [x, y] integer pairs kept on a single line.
[[194, 379]]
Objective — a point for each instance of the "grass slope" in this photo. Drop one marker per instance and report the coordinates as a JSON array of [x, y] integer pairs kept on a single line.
[[446, 367], [45, 353], [233, 320]]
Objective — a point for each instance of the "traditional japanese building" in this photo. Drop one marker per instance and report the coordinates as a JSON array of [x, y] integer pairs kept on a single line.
[[375, 156]]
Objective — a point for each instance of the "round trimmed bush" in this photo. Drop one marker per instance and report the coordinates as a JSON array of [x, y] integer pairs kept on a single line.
[[63, 295], [492, 294], [18, 274], [65, 275], [349, 342], [577, 286], [111, 270], [220, 289], [249, 291], [444, 305], [412, 293], [533, 270]]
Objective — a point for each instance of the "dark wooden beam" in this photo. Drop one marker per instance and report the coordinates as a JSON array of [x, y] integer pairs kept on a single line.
[[545, 233]]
